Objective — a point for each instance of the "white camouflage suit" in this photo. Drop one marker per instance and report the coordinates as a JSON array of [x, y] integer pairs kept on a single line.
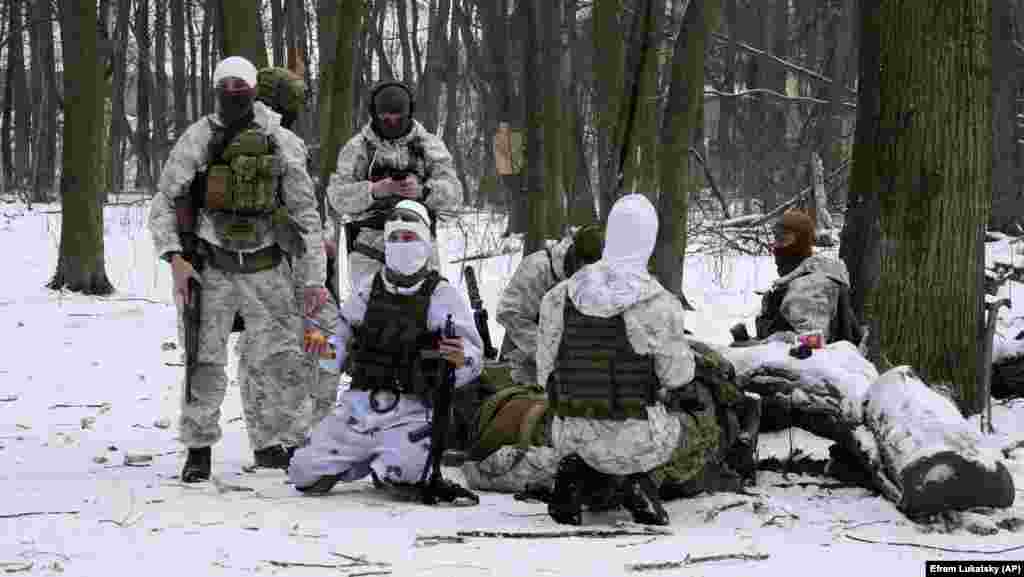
[[354, 439], [321, 378], [266, 299], [349, 190], [620, 284], [519, 308]]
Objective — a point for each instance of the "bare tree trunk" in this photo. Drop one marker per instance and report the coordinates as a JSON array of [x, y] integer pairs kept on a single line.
[[277, 36], [161, 112], [1007, 203], [81, 266], [242, 31], [681, 129], [143, 146], [117, 117], [429, 86], [553, 147], [377, 32], [193, 65], [609, 62], [205, 74], [936, 97], [727, 106], [346, 18], [181, 120], [46, 97], [405, 38], [7, 119], [22, 107], [534, 170], [451, 100]]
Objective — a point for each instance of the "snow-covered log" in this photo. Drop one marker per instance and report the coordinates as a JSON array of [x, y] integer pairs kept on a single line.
[[929, 451]]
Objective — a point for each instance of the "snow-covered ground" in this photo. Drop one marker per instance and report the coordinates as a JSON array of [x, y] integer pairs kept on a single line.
[[86, 383]]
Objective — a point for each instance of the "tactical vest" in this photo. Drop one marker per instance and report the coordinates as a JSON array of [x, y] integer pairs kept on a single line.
[[599, 375], [243, 179], [386, 347]]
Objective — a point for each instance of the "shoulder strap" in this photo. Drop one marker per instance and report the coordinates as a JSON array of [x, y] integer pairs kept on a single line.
[[430, 283], [370, 148], [222, 136], [551, 263]]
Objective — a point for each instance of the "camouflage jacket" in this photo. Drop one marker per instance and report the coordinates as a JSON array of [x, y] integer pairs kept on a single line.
[[654, 319], [519, 308], [806, 299], [189, 156], [348, 191]]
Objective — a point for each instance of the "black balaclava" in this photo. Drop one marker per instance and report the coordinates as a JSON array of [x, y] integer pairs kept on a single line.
[[587, 245], [235, 100], [392, 99]]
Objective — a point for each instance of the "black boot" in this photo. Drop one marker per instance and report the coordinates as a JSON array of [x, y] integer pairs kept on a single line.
[[641, 498], [197, 466], [601, 492], [272, 457], [321, 486], [566, 501]]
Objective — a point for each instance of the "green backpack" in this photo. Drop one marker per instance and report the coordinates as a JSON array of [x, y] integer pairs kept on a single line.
[[281, 89]]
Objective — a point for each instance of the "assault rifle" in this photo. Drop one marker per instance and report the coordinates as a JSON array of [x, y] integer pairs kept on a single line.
[[191, 321], [434, 488], [479, 312]]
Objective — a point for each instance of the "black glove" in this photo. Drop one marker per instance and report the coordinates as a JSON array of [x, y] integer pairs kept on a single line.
[[801, 352]]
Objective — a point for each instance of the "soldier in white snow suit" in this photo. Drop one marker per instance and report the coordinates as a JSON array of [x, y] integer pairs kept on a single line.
[[284, 92], [519, 307], [253, 203], [382, 423], [611, 342], [393, 157]]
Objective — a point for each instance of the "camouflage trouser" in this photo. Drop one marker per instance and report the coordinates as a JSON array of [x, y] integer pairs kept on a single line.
[[266, 302], [619, 447], [322, 384]]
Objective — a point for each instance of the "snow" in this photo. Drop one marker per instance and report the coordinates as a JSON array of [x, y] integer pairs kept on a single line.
[[113, 356]]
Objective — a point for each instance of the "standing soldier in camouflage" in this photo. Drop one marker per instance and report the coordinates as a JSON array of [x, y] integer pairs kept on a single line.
[[283, 91], [612, 342], [519, 307], [392, 158], [254, 204]]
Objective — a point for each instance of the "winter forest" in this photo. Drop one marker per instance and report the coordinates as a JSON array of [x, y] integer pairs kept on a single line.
[[896, 127]]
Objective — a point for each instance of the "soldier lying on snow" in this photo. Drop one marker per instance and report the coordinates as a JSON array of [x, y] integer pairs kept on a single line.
[[382, 426], [811, 294]]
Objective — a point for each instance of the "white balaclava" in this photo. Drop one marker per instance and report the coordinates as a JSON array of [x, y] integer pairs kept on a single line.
[[408, 259], [631, 234]]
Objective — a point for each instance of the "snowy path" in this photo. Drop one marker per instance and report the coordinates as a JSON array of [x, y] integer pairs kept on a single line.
[[102, 517]]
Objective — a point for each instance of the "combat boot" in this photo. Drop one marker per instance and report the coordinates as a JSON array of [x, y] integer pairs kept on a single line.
[[321, 486], [566, 505], [641, 499], [197, 465], [272, 457]]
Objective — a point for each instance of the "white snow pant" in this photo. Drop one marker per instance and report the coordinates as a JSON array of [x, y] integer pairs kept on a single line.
[[351, 444]]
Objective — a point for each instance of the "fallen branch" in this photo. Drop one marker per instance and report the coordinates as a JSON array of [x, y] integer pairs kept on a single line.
[[16, 566], [934, 547], [820, 485], [34, 513], [751, 220], [460, 536], [713, 513], [84, 406], [689, 560], [365, 573], [359, 559], [312, 565]]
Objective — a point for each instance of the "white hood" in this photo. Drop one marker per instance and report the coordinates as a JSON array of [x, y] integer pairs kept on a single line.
[[620, 279]]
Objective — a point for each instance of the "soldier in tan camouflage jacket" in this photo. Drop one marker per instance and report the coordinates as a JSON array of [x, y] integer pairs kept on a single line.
[[256, 190], [519, 307], [393, 157], [613, 332], [812, 291]]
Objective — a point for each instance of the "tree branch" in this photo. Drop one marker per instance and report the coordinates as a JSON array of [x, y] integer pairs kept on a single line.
[[751, 91], [795, 67]]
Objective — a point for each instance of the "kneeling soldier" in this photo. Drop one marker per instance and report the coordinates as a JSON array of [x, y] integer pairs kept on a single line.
[[610, 342], [382, 425]]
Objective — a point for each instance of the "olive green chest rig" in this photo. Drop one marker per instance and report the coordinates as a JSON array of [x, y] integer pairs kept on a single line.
[[243, 173]]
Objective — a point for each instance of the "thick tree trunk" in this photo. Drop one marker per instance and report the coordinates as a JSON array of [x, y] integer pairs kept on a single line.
[[80, 265], [46, 98], [933, 159], [243, 31], [277, 36], [348, 18], [609, 63], [551, 47], [22, 108], [118, 122], [161, 113], [534, 170], [181, 116], [907, 441], [429, 86]]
